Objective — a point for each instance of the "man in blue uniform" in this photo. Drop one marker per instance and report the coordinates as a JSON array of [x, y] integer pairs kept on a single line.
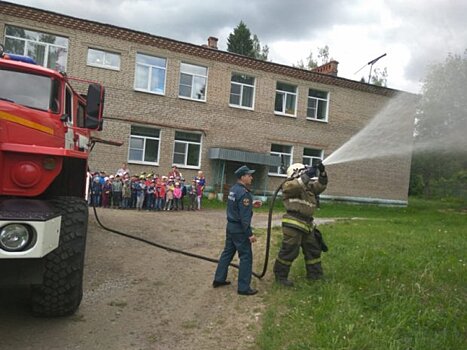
[[238, 234]]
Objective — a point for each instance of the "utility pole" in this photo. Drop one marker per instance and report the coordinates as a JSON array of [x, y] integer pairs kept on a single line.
[[371, 63]]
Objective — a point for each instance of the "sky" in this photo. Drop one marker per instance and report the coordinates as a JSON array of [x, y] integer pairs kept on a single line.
[[413, 34]]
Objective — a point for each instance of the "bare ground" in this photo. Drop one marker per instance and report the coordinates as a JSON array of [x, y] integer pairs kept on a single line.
[[140, 297]]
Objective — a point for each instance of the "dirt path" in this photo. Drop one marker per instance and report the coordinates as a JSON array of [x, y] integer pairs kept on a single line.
[[141, 297]]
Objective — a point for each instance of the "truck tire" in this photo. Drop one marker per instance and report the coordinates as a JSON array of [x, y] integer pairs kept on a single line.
[[61, 290]]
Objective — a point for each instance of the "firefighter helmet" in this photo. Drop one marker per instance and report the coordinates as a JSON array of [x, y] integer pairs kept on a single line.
[[294, 169]]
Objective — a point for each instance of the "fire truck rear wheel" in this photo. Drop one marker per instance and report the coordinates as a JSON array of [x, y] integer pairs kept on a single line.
[[62, 288]]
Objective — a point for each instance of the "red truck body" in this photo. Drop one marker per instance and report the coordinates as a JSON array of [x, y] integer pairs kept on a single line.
[[45, 139]]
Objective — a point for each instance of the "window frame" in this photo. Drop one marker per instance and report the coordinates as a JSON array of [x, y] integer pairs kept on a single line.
[[36, 42], [277, 153], [149, 77], [311, 158], [186, 151], [318, 100], [103, 65], [242, 86], [285, 94], [144, 138], [193, 76]]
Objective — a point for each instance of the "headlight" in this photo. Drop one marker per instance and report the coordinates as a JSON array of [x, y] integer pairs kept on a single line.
[[15, 237]]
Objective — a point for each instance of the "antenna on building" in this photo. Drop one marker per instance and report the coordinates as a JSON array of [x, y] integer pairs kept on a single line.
[[371, 63]]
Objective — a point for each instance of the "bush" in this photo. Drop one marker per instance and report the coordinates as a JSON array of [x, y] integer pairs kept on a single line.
[[417, 185], [455, 186]]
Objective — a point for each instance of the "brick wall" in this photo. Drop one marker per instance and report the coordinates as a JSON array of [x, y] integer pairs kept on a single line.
[[224, 126]]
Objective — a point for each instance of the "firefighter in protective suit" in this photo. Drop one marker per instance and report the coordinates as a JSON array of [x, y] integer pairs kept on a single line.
[[299, 195]]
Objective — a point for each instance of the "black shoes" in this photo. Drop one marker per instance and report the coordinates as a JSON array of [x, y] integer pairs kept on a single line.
[[216, 284], [250, 291]]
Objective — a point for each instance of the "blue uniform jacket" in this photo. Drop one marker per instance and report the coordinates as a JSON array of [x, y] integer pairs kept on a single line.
[[239, 210]]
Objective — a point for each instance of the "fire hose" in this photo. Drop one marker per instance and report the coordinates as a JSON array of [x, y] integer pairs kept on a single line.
[[197, 256]]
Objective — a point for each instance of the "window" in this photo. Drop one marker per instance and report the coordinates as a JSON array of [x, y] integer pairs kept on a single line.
[[187, 149], [69, 105], [285, 152], [312, 156], [242, 91], [103, 59], [46, 49], [30, 90], [81, 115], [144, 145], [317, 105], [286, 99], [150, 74], [193, 80]]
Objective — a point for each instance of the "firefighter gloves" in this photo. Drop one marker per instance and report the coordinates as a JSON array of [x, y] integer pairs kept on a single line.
[[321, 167]]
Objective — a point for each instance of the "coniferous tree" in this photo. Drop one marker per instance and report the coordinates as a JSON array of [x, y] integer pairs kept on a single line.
[[240, 41]]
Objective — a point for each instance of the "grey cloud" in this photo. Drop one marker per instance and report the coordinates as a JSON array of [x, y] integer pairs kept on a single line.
[[271, 20], [430, 30]]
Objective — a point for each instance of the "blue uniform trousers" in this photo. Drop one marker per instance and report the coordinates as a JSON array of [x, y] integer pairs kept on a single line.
[[236, 242]]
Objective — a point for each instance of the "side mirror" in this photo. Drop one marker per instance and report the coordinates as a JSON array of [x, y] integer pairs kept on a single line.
[[94, 107], [2, 50]]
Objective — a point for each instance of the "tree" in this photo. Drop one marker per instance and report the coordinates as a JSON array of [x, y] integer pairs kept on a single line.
[[323, 57], [260, 53], [440, 147], [380, 77], [240, 41], [323, 54], [311, 63]]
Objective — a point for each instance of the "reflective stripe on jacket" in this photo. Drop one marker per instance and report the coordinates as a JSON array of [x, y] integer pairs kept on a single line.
[[299, 197]]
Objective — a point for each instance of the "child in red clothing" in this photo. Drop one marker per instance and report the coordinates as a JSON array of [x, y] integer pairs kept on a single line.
[[160, 194]]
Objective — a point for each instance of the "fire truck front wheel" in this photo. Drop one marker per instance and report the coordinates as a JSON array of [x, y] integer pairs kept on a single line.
[[62, 288]]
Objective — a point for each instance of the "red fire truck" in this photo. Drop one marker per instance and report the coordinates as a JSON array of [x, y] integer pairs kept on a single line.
[[45, 140]]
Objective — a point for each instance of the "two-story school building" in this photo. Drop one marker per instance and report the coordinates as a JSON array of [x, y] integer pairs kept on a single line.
[[200, 108]]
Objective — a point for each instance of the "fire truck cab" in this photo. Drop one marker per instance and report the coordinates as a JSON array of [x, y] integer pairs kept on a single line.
[[45, 140]]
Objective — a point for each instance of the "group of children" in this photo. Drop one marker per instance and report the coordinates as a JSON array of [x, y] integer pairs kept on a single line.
[[147, 191]]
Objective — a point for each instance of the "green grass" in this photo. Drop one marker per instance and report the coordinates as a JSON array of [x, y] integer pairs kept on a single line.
[[211, 203], [395, 280]]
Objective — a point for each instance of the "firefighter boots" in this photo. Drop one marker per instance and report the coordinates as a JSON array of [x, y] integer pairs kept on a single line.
[[314, 271], [281, 272]]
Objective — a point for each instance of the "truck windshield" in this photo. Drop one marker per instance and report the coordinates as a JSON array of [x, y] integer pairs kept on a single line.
[[29, 90]]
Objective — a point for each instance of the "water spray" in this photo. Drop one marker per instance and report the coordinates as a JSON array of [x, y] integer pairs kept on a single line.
[[389, 133]]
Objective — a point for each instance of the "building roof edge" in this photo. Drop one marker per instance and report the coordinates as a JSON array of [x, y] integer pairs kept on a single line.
[[144, 38]]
